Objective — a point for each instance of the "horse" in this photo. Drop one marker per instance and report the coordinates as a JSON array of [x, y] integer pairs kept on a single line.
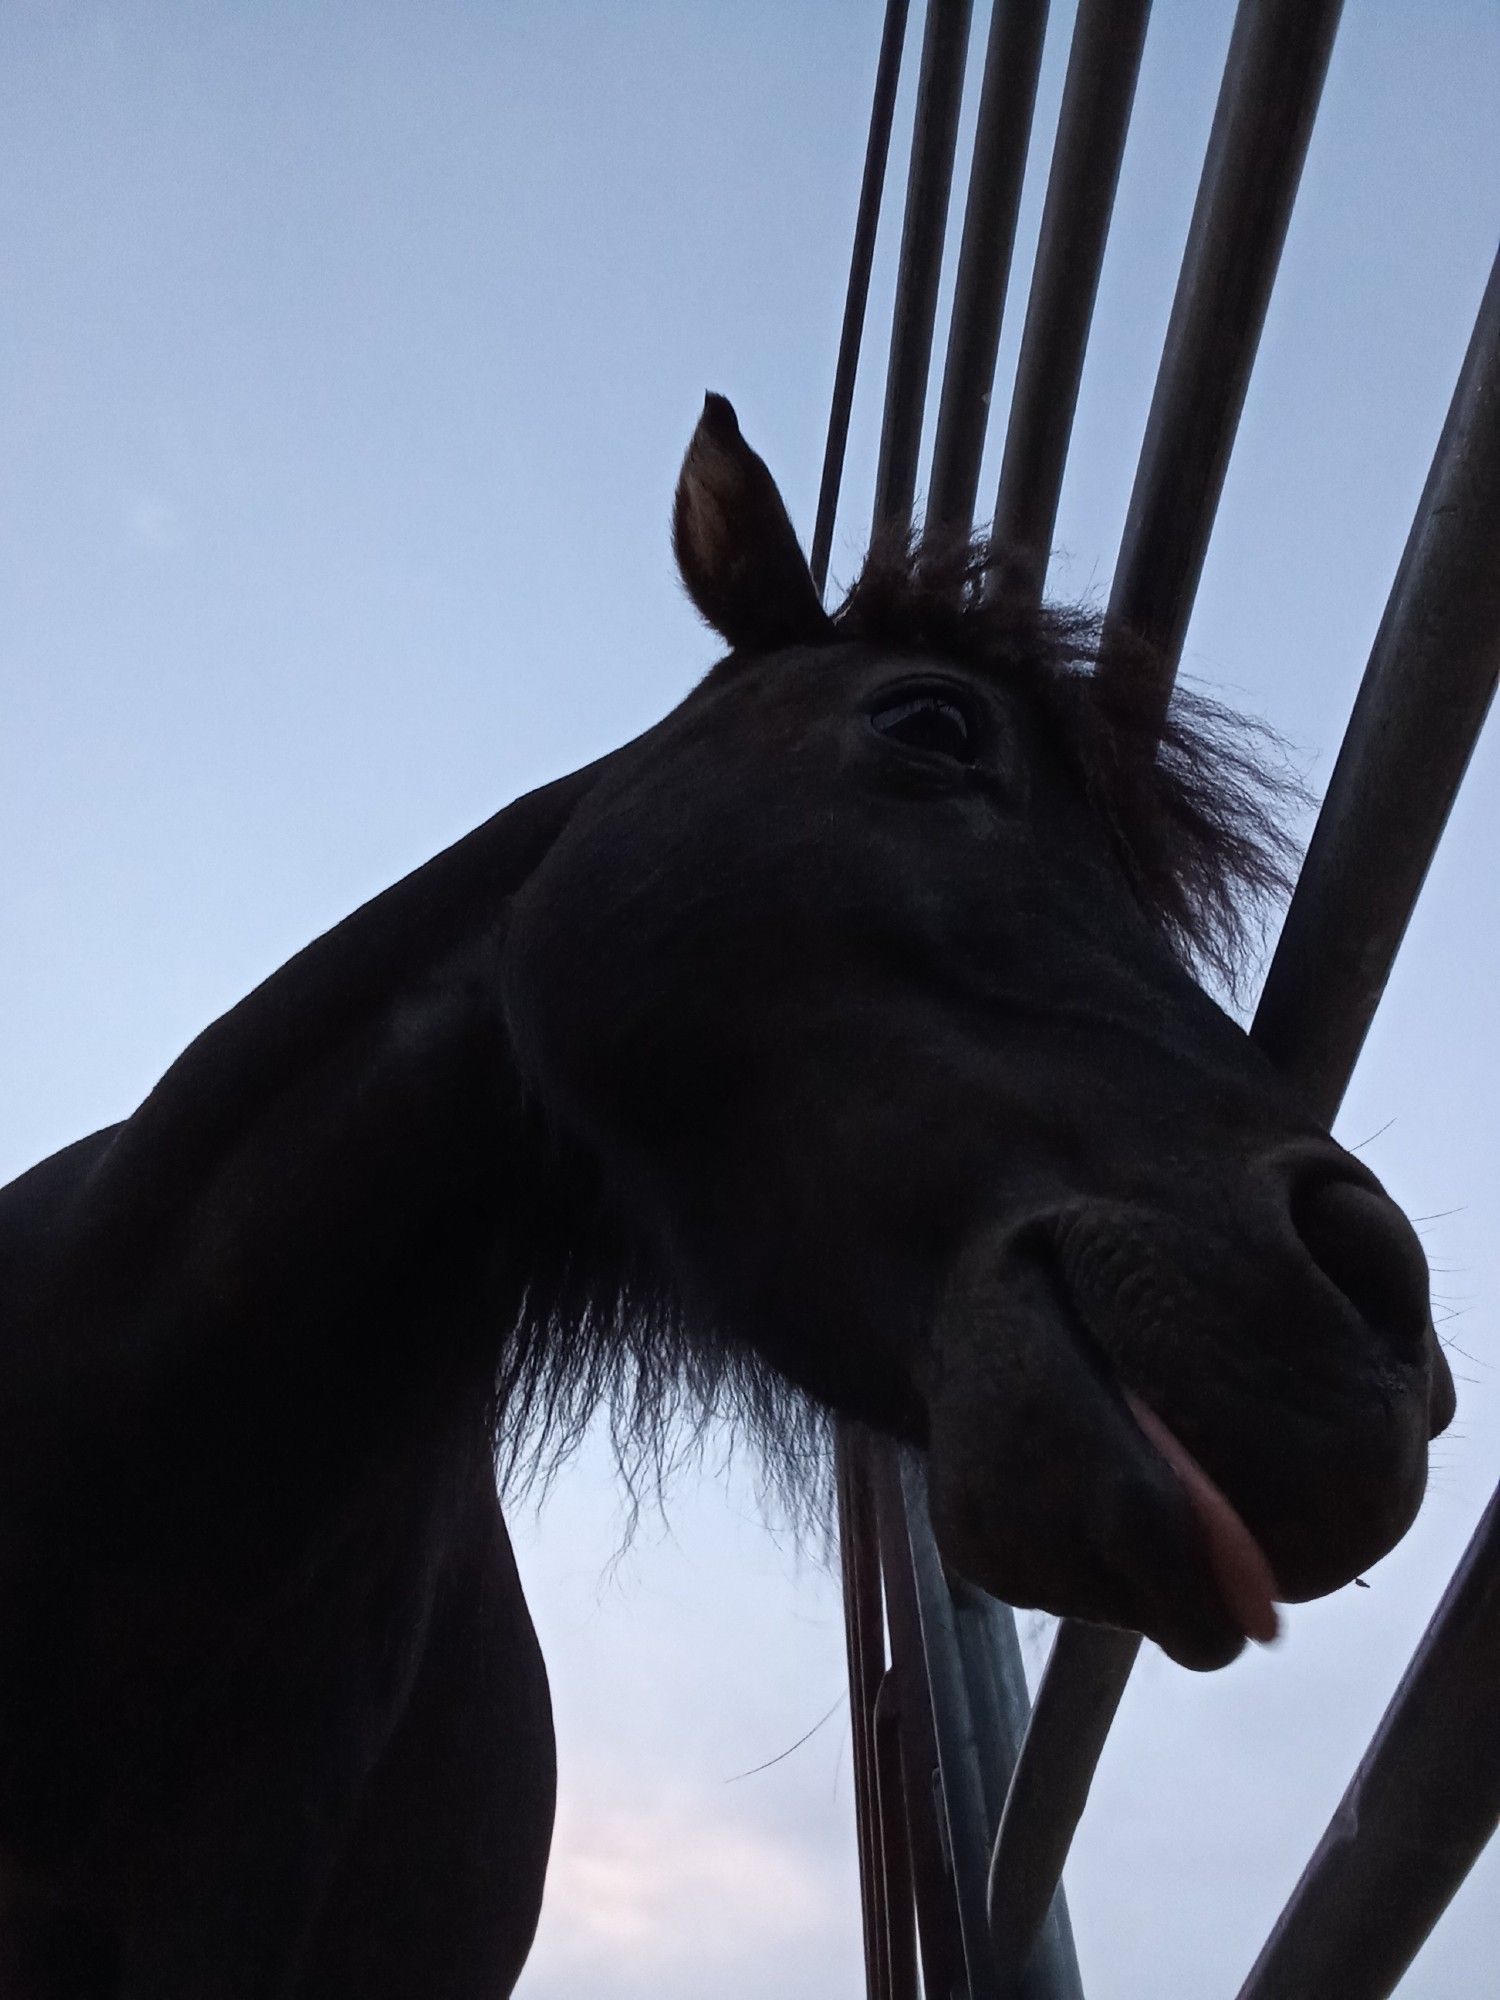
[[841, 1048]]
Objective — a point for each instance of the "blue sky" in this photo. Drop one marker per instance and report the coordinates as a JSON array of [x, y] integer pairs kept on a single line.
[[350, 356]]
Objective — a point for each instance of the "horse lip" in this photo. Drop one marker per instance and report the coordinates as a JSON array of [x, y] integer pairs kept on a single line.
[[1241, 1573], [1149, 1563]]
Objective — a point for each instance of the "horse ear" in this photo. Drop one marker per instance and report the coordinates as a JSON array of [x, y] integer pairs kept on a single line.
[[737, 551]]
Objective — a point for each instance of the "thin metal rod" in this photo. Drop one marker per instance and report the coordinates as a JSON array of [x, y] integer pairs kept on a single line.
[[962, 1786], [1002, 137], [1273, 76], [1098, 93], [1076, 1701], [895, 1848], [938, 1926], [857, 297], [934, 137], [1424, 1801], [859, 1562], [1000, 1706], [1424, 697]]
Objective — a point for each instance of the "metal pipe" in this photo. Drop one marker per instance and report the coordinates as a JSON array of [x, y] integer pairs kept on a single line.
[[1000, 1705], [857, 296], [958, 1752], [1424, 1801], [1098, 92], [1002, 137], [1273, 76], [939, 1930], [1426, 1796], [934, 136], [1421, 704], [859, 1562], [1076, 1701], [895, 1848]]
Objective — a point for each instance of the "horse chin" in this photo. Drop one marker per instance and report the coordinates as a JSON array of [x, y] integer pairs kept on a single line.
[[1055, 1489]]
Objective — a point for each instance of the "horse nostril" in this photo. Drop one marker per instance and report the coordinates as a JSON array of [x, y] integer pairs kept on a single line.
[[1365, 1245]]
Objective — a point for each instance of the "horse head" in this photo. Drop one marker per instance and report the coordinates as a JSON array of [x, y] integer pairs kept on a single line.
[[869, 983]]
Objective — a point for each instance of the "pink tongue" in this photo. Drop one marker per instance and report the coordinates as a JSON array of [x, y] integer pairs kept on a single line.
[[1235, 1557]]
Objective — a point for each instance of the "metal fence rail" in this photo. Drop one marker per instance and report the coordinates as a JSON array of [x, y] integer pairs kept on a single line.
[[929, 180], [947, 1762], [1273, 78], [1103, 63], [1003, 133]]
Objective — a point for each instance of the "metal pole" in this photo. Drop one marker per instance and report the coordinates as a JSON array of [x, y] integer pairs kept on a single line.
[[958, 1752], [1426, 1796], [1424, 1801], [895, 1846], [939, 1924], [934, 137], [1103, 63], [1273, 76], [860, 1565], [1002, 137], [857, 297], [995, 1679], [1420, 708], [1075, 1705]]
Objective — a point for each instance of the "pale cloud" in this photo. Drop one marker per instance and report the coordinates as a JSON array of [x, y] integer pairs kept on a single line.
[[652, 1891]]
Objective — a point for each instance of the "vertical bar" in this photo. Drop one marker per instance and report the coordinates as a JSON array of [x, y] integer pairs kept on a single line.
[[1278, 56], [859, 1563], [857, 297], [995, 1677], [1076, 1702], [890, 1792], [939, 1929], [1103, 64], [962, 1787], [1007, 98], [934, 137], [978, 1713], [1423, 700], [1422, 1805]]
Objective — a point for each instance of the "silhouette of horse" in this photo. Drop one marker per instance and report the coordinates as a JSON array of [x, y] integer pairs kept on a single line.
[[835, 1047]]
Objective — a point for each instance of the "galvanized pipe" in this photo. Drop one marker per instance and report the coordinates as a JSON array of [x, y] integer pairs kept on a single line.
[[895, 1848], [945, 45], [961, 1786], [1422, 702], [1000, 1708], [1426, 1796], [1424, 1801], [1273, 76], [1098, 92], [859, 1562], [857, 296], [1076, 1701], [1002, 136], [940, 1931]]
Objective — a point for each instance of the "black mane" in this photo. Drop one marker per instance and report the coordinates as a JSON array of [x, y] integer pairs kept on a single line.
[[1195, 808]]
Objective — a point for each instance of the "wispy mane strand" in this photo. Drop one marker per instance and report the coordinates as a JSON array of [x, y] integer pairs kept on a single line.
[[1196, 806]]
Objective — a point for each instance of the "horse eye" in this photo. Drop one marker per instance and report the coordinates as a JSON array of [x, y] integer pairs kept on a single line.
[[933, 722]]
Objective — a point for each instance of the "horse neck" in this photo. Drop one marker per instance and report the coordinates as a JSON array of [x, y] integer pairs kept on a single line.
[[341, 1160]]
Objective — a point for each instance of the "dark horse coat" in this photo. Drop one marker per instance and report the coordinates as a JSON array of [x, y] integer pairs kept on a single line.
[[833, 1047]]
